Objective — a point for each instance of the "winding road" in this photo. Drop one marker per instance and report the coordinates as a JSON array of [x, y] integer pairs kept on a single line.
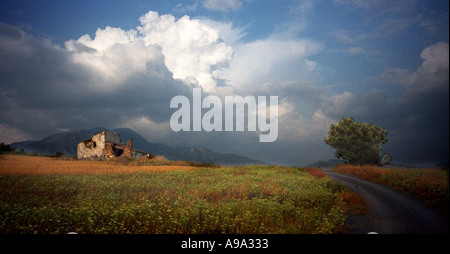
[[390, 211]]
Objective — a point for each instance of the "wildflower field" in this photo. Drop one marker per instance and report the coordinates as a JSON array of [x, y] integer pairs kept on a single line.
[[100, 197], [428, 185]]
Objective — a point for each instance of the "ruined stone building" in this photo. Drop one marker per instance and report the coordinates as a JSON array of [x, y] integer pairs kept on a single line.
[[107, 145]]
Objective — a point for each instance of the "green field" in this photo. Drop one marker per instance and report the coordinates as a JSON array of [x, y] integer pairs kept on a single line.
[[236, 200]]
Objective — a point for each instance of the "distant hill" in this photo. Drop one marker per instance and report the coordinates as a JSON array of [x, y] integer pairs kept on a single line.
[[66, 143], [328, 164], [193, 153]]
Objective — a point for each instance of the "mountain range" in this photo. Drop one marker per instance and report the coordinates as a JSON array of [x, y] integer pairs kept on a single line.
[[66, 143]]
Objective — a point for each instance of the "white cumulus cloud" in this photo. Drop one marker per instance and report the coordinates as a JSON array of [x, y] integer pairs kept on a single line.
[[192, 50], [114, 54]]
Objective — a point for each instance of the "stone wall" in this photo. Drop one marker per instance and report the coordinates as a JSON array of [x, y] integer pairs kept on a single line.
[[111, 137], [92, 148]]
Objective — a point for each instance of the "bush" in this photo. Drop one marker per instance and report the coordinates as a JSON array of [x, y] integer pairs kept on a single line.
[[4, 148]]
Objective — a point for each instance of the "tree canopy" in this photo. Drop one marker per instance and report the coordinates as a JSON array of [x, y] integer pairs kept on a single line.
[[357, 143]]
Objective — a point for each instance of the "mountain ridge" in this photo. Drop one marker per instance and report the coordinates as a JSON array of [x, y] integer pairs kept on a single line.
[[66, 143]]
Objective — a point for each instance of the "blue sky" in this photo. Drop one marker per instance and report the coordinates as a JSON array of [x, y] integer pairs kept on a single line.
[[69, 19], [384, 62], [340, 27]]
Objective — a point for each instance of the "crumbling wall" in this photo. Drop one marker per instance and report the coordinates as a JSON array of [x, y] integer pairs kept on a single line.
[[111, 137], [113, 151]]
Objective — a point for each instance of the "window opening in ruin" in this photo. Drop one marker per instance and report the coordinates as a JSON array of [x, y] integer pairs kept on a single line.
[[117, 152]]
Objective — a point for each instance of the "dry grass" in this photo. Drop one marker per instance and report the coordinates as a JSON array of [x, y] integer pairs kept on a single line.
[[32, 165], [355, 205], [429, 185], [228, 200]]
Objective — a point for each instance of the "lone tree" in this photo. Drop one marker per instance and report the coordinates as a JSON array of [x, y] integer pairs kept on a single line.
[[358, 143]]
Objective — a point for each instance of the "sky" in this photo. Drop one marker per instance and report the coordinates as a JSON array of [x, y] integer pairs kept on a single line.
[[69, 64]]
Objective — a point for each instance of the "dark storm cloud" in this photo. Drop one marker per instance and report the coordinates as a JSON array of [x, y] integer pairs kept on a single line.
[[418, 120], [42, 89]]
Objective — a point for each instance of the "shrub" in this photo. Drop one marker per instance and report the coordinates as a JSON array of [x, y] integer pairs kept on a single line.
[[5, 148], [317, 172]]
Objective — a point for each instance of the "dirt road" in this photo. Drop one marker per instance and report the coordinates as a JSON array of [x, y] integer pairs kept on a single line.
[[391, 212]]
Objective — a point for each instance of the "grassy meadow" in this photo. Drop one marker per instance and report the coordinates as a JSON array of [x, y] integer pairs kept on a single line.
[[428, 185], [50, 195]]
